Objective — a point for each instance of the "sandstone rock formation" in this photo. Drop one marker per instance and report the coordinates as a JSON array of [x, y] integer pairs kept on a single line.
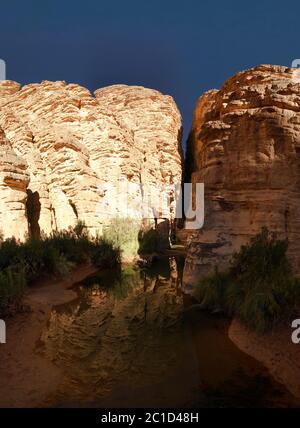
[[14, 180], [65, 152], [245, 146]]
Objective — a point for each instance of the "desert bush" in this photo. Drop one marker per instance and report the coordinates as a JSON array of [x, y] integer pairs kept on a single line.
[[126, 234], [105, 254], [22, 263], [123, 233], [258, 287], [149, 241], [12, 285], [80, 229]]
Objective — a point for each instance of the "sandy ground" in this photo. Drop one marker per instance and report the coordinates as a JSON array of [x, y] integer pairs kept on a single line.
[[275, 350], [23, 369]]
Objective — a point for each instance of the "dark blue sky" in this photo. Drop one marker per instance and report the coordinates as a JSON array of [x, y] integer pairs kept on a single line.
[[178, 47]]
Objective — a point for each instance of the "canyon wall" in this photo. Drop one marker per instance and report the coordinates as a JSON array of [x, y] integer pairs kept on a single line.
[[66, 151], [245, 147]]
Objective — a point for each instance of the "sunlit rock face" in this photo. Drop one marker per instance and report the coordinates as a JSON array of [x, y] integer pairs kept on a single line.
[[79, 147], [245, 146], [14, 180]]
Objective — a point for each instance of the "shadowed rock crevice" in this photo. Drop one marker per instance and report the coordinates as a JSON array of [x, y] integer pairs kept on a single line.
[[33, 211], [74, 208]]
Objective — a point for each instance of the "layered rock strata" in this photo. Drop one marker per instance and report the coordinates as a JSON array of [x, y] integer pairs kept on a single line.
[[67, 151], [245, 147]]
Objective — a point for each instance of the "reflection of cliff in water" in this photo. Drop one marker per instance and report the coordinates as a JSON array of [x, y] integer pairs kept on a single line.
[[122, 336], [131, 339]]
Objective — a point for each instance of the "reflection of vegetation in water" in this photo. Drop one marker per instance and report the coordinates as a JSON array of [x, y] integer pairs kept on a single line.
[[166, 267], [258, 287], [158, 268], [124, 331], [126, 342], [117, 283], [125, 283]]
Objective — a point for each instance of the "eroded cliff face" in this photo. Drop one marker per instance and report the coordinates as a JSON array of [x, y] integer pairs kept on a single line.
[[65, 152], [245, 146], [14, 180]]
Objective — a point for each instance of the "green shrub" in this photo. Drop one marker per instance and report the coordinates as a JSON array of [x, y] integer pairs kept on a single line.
[[149, 242], [21, 263], [258, 287], [105, 254], [80, 229], [126, 234], [212, 291], [12, 285], [154, 240], [123, 233]]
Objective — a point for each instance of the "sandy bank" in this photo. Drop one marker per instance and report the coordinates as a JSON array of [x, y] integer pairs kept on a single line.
[[27, 379], [275, 350]]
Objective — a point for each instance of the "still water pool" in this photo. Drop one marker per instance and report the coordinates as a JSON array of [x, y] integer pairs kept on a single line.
[[131, 339]]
